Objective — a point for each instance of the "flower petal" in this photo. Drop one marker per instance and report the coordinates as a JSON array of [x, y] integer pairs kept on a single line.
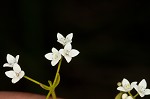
[[141, 94], [61, 51], [21, 74], [73, 53], [147, 91], [60, 36], [54, 62], [49, 56], [17, 58], [68, 58], [15, 79], [121, 89], [54, 50], [10, 74], [69, 36], [68, 47], [124, 96], [10, 59], [143, 83], [125, 82], [129, 97], [16, 68], [7, 65]]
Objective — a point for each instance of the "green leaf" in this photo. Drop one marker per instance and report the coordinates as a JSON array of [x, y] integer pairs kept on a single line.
[[119, 95], [45, 87], [57, 81]]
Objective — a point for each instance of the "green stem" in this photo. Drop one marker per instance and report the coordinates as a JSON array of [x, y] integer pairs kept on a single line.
[[48, 95], [36, 82], [130, 94], [136, 95], [53, 92], [58, 68]]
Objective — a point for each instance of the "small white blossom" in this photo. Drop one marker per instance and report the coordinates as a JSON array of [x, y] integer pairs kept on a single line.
[[126, 86], [125, 96], [11, 60], [62, 40], [16, 74], [55, 56], [141, 88], [68, 52]]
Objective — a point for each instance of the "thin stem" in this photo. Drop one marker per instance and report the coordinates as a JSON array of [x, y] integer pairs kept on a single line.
[[53, 92], [130, 94], [58, 68], [48, 95], [136, 95], [36, 82]]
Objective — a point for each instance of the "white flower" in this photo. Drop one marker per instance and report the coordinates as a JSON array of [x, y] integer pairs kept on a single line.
[[68, 52], [16, 74], [126, 87], [11, 60], [55, 56], [125, 96], [62, 40], [141, 88]]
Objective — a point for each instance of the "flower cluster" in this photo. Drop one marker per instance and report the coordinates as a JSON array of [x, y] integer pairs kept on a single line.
[[16, 73], [126, 87], [67, 51], [55, 56]]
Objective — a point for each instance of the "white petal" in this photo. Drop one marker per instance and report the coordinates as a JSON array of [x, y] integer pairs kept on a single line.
[[61, 51], [133, 84], [17, 58], [73, 53], [136, 87], [68, 58], [60, 36], [129, 97], [69, 36], [68, 47], [10, 74], [15, 79], [121, 89], [54, 62], [141, 94], [7, 65], [125, 82], [54, 50], [10, 59], [21, 74], [147, 91], [16, 68], [124, 96], [49, 56], [143, 83]]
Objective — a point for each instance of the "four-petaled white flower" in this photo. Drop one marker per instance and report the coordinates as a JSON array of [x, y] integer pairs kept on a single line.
[[126, 86], [55, 56], [68, 52], [16, 74], [141, 88], [125, 96], [11, 60], [62, 40]]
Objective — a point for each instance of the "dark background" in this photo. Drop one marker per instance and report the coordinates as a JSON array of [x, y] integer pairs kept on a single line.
[[112, 37]]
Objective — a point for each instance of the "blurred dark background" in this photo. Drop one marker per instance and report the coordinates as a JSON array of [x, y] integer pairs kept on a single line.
[[112, 37]]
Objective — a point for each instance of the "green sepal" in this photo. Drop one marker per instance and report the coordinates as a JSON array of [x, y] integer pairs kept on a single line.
[[119, 95]]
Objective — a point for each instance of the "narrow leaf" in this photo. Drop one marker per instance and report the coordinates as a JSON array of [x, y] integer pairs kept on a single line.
[[119, 96]]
